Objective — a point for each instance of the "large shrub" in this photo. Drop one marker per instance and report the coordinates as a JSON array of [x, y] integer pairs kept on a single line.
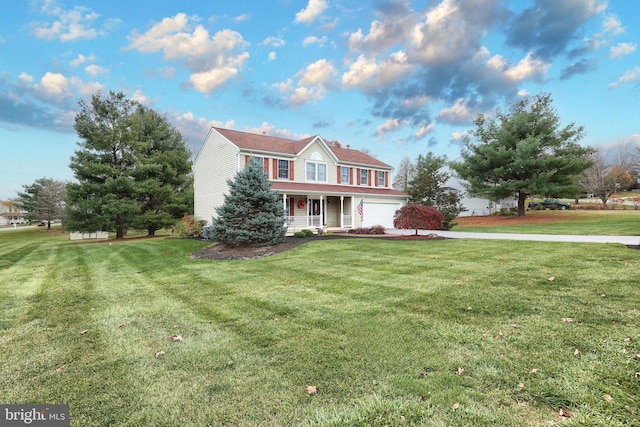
[[418, 217], [251, 214]]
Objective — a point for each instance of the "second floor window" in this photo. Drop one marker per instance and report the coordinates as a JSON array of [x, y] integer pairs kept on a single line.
[[344, 175], [283, 169], [381, 178], [364, 177], [316, 172]]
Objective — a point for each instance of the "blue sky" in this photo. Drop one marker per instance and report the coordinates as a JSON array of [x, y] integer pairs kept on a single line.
[[398, 78]]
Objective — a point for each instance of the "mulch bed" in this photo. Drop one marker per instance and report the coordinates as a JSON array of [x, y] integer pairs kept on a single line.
[[222, 252]]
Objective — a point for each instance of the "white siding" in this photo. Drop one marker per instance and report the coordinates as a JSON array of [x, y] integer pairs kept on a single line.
[[217, 162]]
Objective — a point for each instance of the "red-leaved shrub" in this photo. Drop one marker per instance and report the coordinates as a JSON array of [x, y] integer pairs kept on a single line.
[[418, 217]]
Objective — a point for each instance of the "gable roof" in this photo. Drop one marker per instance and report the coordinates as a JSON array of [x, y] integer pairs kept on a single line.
[[271, 144]]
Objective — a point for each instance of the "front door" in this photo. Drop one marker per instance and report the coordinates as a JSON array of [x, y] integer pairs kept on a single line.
[[315, 212]]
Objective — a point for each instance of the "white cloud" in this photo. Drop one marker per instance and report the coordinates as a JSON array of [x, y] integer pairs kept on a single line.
[[25, 78], [242, 18], [630, 76], [314, 9], [424, 129], [273, 41], [212, 60], [622, 49], [272, 56], [320, 41], [528, 68], [68, 25], [313, 83], [94, 70], [457, 137], [366, 74], [389, 126], [268, 129], [457, 114], [81, 59], [320, 73], [444, 35], [140, 97], [612, 25], [54, 83], [284, 87]]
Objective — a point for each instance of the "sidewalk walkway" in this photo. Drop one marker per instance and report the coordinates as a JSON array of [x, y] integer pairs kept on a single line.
[[625, 240]]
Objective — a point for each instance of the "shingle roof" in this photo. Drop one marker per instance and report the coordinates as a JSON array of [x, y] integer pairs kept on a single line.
[[336, 189], [271, 144]]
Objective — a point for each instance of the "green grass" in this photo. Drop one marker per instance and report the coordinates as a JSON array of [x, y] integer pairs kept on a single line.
[[574, 222], [390, 333]]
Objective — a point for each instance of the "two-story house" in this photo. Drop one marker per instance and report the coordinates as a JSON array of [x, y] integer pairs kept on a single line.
[[321, 184]]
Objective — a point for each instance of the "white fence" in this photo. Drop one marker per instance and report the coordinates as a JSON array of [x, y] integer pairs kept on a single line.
[[74, 235]]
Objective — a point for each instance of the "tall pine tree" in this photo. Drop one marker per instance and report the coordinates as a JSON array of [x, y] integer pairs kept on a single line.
[[251, 214], [132, 168]]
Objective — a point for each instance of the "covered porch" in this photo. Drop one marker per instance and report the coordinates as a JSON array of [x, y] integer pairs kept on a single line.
[[319, 211]]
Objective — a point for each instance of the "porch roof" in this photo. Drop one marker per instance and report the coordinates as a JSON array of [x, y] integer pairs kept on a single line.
[[301, 187]]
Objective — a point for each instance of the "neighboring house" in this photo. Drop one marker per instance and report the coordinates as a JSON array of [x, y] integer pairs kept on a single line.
[[321, 184], [10, 213], [476, 206]]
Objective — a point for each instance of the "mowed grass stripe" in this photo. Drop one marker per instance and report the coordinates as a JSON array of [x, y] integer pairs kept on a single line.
[[382, 336]]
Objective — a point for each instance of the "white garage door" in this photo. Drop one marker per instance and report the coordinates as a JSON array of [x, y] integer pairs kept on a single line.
[[379, 214]]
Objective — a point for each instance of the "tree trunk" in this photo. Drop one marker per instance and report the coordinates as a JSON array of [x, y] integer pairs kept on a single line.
[[151, 232], [522, 197], [120, 233]]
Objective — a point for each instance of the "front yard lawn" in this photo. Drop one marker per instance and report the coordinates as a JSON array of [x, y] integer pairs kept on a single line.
[[345, 332]]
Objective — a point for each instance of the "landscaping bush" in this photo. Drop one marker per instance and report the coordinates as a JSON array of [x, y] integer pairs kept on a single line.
[[376, 229], [188, 227], [418, 217], [307, 232], [300, 234]]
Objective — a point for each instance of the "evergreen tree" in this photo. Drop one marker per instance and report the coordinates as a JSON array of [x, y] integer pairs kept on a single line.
[[251, 213], [43, 200], [523, 152], [162, 172], [132, 168], [428, 188]]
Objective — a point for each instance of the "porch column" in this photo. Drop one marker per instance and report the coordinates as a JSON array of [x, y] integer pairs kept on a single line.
[[353, 211], [341, 211], [321, 210]]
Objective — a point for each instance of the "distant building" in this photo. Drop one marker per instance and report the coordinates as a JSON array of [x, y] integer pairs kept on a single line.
[[10, 213]]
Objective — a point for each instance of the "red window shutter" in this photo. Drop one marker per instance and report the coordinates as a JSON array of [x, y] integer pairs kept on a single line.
[[369, 177], [275, 169], [376, 178], [246, 160], [266, 166], [292, 210], [358, 175], [291, 170], [351, 176], [386, 179], [339, 174]]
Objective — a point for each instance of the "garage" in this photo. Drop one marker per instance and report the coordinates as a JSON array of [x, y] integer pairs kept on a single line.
[[377, 213]]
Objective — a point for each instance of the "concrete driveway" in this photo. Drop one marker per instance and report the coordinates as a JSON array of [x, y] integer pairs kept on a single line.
[[625, 240]]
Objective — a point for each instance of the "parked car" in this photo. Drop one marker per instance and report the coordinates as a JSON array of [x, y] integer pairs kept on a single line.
[[549, 204]]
